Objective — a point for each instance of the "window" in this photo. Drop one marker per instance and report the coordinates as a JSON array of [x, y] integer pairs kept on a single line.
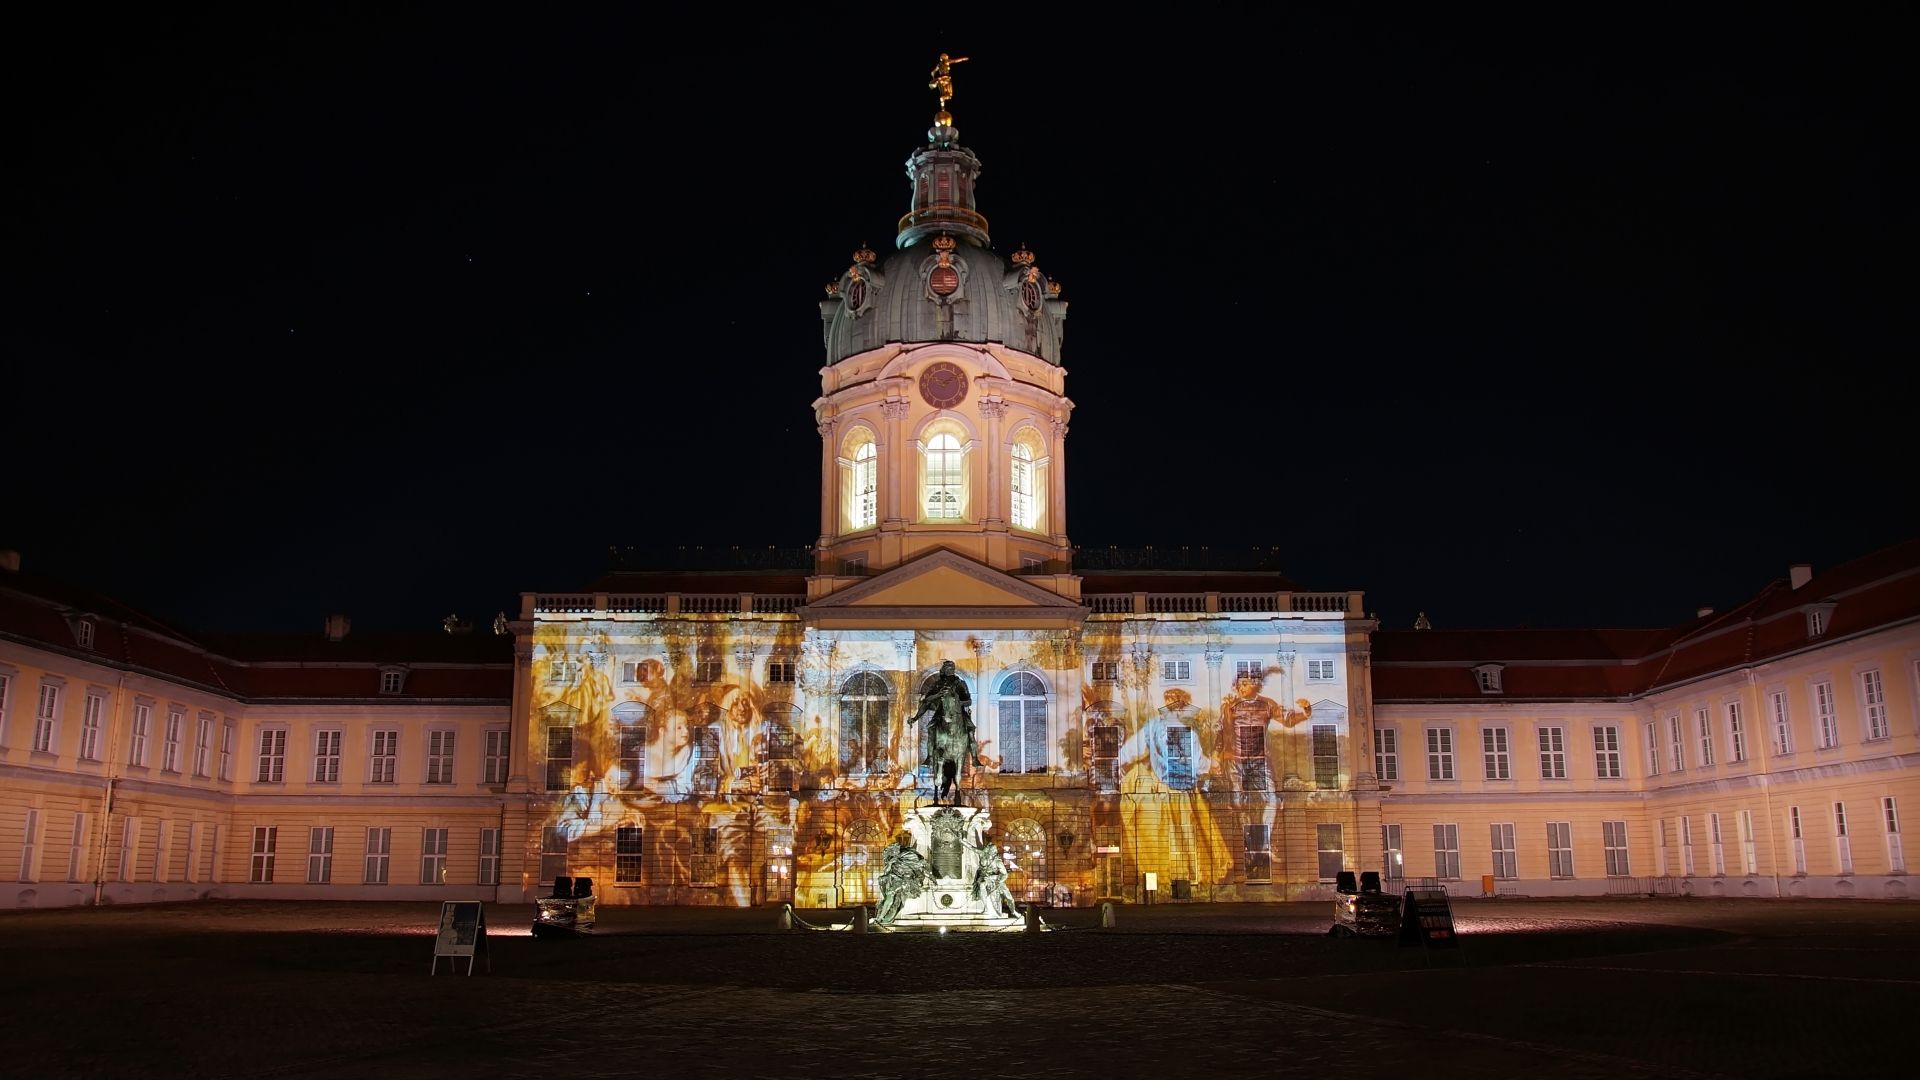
[[943, 478], [1749, 858], [489, 856], [319, 856], [1026, 508], [1704, 722], [1676, 743], [1826, 715], [1553, 753], [386, 757], [1103, 751], [559, 759], [1842, 843], [1816, 623], [1560, 849], [45, 711], [202, 745], [866, 486], [390, 681], [1799, 841], [865, 702], [1326, 756], [379, 849], [1890, 817], [553, 852], [1446, 852], [326, 757], [86, 634], [90, 708], [1319, 671], [628, 848], [1259, 839], [1653, 748], [1488, 676], [1873, 696], [1686, 846], [1106, 671], [1662, 847], [1506, 858], [440, 757], [1023, 723], [433, 856], [1247, 669], [1332, 847], [1250, 750], [1782, 723], [129, 836], [1736, 732], [1386, 753], [1179, 771], [1439, 753], [493, 765], [706, 857], [632, 747], [266, 839], [1496, 760], [1606, 752], [780, 670], [162, 848], [1716, 845], [77, 848], [1613, 837], [1178, 670], [1392, 857], [706, 757], [170, 746], [6, 685], [142, 724], [273, 756], [30, 847], [709, 672], [226, 752]]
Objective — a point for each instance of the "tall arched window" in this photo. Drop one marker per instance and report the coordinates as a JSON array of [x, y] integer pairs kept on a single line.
[[1023, 723], [866, 486], [1025, 512], [943, 477], [864, 700]]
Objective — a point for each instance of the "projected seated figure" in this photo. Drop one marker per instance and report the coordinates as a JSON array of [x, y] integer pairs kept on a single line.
[[951, 741], [903, 876]]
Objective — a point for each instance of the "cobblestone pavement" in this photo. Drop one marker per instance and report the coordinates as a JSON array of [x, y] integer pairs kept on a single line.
[[1581, 988]]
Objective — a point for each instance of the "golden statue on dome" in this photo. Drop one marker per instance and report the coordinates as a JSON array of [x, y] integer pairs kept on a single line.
[[942, 82]]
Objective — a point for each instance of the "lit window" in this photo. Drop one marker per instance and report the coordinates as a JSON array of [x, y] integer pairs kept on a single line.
[[1025, 506], [273, 757], [1393, 861], [1023, 723], [433, 856], [1386, 754], [943, 478], [866, 486], [864, 705]]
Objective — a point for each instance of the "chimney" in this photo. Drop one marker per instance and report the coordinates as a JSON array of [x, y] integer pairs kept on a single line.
[[10, 560], [1800, 573], [1703, 613], [337, 627]]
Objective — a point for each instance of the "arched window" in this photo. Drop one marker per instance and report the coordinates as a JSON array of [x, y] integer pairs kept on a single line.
[[864, 701], [943, 477], [866, 486], [1023, 723], [630, 731], [1025, 509]]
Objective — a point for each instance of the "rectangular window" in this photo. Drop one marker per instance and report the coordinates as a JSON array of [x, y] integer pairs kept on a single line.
[[1560, 849], [45, 712], [433, 856], [1653, 748], [170, 746], [780, 671], [1439, 753], [1506, 858], [384, 759], [1259, 852], [559, 759], [1386, 754], [1393, 857], [90, 709], [1446, 852], [390, 681], [30, 847], [553, 852], [494, 767], [628, 848], [1703, 725], [440, 757], [161, 849], [1248, 669], [1319, 671], [1106, 671], [1024, 506], [1799, 841], [6, 687], [129, 835], [1663, 847], [1613, 837], [1842, 843], [142, 723], [1179, 775], [320, 856], [1749, 857], [706, 759], [266, 839], [942, 459], [1250, 749], [1716, 845], [633, 759], [1494, 750], [1676, 743], [866, 487], [1873, 696], [709, 672], [326, 757], [1326, 756], [706, 857], [273, 756], [379, 850], [1686, 846], [202, 746], [1890, 817], [489, 856], [1332, 847], [1176, 670], [1606, 752], [1736, 732], [226, 752], [1553, 753], [1782, 724], [77, 849], [1826, 715]]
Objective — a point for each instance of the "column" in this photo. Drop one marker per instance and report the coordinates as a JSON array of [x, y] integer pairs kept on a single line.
[[994, 409]]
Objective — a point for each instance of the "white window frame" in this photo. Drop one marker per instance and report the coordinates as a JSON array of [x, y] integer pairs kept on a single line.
[[1560, 850], [1606, 752], [379, 855], [129, 846], [1686, 845], [629, 854], [497, 758], [266, 843], [272, 759], [865, 511], [1676, 742], [1613, 841], [1782, 723], [1506, 855], [1842, 840], [1496, 752], [1552, 739], [433, 855], [203, 745], [383, 756], [30, 846], [559, 772], [1736, 731], [1797, 831], [1386, 753], [170, 740], [1653, 747], [327, 744], [91, 706], [1749, 853], [139, 732], [489, 857], [77, 849], [1875, 721], [1334, 856], [1703, 731], [1321, 671], [441, 747], [227, 735], [320, 855], [392, 680], [1393, 857], [1446, 851], [1716, 845], [1440, 753], [1176, 671], [1890, 821], [1826, 715], [6, 698], [46, 720], [1014, 759], [1025, 500], [943, 460]]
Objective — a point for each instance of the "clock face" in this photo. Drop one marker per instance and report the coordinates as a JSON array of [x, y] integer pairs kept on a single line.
[[943, 385]]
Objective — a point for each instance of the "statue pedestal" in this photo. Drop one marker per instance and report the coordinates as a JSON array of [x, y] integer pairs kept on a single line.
[[948, 838]]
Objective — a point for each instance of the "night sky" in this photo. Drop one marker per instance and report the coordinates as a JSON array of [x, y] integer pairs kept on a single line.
[[1508, 321]]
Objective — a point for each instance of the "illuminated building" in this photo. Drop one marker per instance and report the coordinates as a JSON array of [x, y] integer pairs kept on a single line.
[[737, 727]]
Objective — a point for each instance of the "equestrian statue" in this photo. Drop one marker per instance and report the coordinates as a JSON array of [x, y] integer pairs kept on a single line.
[[950, 740]]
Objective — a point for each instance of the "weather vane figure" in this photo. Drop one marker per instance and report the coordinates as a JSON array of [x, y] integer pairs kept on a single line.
[[943, 78]]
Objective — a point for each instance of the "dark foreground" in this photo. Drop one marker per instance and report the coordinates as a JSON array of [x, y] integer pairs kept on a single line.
[[1749, 988]]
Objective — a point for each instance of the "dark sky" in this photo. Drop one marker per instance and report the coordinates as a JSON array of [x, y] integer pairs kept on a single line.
[[1573, 322]]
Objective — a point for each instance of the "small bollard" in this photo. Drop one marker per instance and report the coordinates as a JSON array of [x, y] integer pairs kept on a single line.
[[860, 920], [1106, 916], [1033, 919], [785, 921]]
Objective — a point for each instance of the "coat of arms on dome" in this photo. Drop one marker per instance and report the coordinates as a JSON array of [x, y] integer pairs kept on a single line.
[[858, 285], [945, 274], [1028, 284]]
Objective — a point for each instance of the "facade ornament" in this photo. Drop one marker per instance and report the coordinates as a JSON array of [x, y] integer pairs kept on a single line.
[[1286, 657], [1053, 288], [833, 288], [993, 408], [895, 408], [1359, 655], [941, 83], [1023, 256], [825, 427], [1059, 427], [904, 647], [1421, 623], [1141, 653], [859, 283], [500, 625], [982, 647], [1215, 653]]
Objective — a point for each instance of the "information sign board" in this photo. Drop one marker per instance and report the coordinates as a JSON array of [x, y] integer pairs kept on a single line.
[[1426, 918], [463, 931]]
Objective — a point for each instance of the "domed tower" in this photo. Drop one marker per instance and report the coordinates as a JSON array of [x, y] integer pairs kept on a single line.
[[943, 410]]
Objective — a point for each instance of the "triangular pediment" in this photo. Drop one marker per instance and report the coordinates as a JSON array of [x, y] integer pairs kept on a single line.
[[943, 579]]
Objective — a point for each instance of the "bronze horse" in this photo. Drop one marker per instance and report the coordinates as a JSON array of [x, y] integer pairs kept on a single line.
[[950, 741]]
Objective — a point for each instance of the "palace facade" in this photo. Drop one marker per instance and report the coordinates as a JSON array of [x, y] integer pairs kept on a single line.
[[743, 727]]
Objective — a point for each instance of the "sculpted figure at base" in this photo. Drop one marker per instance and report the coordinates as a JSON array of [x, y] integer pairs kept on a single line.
[[903, 875], [951, 739], [990, 884]]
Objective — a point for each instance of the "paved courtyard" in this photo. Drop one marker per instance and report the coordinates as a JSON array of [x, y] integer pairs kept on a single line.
[[1618, 988]]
